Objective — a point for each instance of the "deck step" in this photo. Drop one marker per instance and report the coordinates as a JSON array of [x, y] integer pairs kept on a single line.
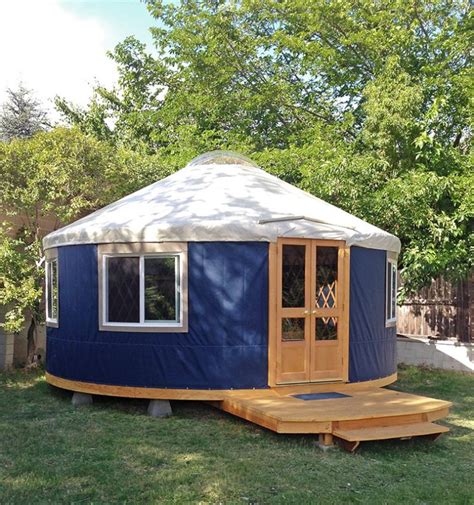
[[387, 432]]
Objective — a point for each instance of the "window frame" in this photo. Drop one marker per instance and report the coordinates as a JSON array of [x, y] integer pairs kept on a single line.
[[177, 250], [391, 266], [51, 256]]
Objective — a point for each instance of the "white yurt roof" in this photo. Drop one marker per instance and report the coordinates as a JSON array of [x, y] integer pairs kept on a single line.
[[220, 196]]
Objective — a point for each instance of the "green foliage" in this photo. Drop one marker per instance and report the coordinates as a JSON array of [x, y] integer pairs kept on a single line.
[[365, 104], [57, 177], [20, 279], [60, 173]]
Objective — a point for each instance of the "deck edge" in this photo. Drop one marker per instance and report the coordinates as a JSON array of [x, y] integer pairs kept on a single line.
[[205, 394]]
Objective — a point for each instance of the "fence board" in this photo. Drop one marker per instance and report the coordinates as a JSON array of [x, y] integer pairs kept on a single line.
[[442, 309]]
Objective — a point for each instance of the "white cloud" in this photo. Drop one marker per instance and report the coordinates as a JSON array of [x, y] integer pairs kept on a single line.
[[52, 51]]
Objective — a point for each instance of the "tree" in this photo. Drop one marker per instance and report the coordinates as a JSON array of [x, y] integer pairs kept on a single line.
[[63, 174], [21, 115], [365, 104]]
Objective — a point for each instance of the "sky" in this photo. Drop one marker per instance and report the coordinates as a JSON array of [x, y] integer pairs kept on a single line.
[[58, 47]]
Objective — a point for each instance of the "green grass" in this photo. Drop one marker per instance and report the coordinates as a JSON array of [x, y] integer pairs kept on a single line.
[[112, 452]]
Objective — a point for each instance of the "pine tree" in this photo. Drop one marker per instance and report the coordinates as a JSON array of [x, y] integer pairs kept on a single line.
[[21, 115]]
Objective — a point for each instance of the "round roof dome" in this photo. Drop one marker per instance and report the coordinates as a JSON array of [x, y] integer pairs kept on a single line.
[[220, 196], [222, 158]]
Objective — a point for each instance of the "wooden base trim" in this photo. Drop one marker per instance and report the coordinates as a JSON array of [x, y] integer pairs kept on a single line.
[[208, 394], [137, 392]]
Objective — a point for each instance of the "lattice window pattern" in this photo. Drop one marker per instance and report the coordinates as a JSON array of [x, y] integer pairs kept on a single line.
[[326, 328], [123, 290]]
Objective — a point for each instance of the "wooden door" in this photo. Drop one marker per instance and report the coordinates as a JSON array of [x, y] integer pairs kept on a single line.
[[327, 274], [311, 329], [293, 308]]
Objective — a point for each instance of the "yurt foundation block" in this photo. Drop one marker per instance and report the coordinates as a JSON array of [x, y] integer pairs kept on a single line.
[[81, 399], [159, 408]]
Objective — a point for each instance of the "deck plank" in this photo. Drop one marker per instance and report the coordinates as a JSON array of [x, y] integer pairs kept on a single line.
[[375, 413], [373, 403], [388, 432]]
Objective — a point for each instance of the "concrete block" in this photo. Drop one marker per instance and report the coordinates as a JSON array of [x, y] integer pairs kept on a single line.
[[159, 408], [81, 399], [441, 354], [325, 441], [6, 360], [325, 448], [439, 361]]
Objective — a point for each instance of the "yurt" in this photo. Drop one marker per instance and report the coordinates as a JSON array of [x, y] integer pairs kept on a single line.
[[223, 283], [220, 277]]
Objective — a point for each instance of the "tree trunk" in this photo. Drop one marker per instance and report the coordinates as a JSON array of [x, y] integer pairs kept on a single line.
[[31, 342]]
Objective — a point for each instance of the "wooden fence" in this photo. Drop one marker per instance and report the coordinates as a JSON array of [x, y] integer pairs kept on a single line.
[[444, 310]]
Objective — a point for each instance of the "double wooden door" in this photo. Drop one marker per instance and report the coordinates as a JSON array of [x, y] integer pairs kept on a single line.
[[312, 327]]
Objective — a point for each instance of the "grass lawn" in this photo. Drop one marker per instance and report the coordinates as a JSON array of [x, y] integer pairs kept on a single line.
[[113, 452]]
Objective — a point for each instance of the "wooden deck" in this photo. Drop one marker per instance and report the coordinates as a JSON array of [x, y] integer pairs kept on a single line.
[[372, 414], [369, 412]]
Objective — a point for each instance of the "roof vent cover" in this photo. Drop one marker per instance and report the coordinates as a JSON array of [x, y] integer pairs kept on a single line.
[[222, 158]]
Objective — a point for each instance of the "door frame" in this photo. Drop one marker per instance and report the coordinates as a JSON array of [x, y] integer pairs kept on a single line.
[[274, 283]]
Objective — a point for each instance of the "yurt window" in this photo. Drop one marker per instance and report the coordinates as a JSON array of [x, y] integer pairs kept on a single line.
[[143, 286], [52, 286], [391, 292]]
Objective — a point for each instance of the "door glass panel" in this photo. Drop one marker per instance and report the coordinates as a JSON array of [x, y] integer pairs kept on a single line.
[[292, 329], [293, 270], [326, 277], [326, 328]]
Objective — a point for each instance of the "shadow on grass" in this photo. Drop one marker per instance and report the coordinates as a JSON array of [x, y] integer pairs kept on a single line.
[[31, 384]]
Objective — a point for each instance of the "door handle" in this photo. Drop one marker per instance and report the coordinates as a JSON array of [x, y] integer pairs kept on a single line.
[[306, 312], [313, 311]]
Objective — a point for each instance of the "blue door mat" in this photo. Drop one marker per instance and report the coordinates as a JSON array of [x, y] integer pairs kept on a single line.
[[320, 396]]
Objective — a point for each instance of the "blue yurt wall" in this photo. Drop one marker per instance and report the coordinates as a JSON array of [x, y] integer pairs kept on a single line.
[[227, 342], [372, 346], [226, 345]]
